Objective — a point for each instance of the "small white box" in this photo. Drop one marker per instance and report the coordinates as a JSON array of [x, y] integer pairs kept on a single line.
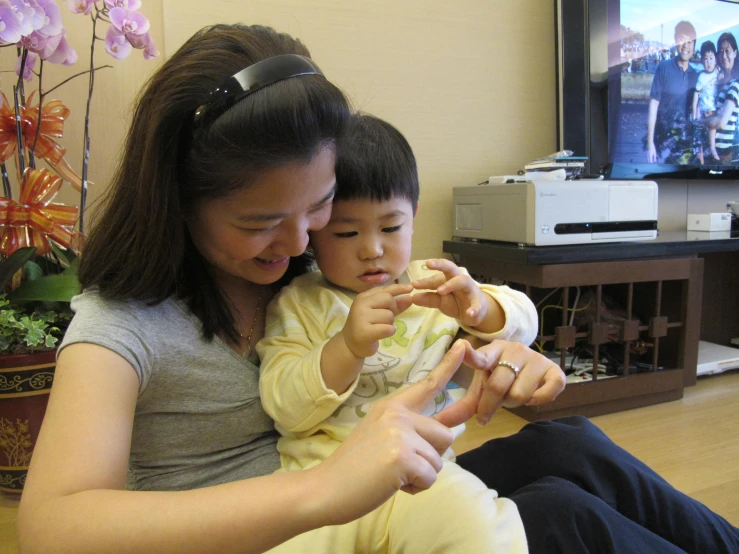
[[707, 235], [720, 221], [716, 358]]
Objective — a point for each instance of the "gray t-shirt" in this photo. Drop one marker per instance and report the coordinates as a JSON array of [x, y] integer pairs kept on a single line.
[[199, 420]]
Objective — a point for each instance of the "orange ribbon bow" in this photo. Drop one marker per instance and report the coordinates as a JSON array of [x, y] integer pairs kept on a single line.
[[34, 220], [53, 115]]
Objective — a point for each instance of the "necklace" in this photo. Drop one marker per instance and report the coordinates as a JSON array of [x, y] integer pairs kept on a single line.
[[248, 348]]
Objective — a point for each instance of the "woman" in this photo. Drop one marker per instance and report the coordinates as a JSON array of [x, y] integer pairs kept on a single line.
[[728, 99], [154, 438]]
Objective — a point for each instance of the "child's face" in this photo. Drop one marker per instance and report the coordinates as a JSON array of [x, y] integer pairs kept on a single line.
[[366, 244], [709, 62]]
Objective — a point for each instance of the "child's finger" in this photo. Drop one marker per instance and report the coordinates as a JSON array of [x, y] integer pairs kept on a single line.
[[432, 282], [476, 306], [447, 267], [396, 289], [380, 316], [381, 331], [427, 300], [391, 304], [460, 283], [402, 303]]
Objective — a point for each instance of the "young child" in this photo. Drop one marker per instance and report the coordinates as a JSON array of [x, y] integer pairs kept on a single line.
[[704, 99], [340, 339]]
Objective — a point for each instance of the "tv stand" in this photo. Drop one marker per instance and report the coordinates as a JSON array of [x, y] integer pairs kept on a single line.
[[660, 287]]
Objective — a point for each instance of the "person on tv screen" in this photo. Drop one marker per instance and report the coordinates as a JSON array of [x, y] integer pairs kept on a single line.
[[728, 100], [704, 104], [668, 137]]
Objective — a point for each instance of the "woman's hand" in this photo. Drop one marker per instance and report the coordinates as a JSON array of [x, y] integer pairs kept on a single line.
[[393, 448], [493, 385]]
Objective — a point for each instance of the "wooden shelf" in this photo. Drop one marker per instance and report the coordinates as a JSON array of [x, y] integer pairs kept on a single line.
[[661, 303]]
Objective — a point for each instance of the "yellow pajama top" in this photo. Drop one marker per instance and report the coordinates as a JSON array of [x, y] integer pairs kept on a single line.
[[312, 419]]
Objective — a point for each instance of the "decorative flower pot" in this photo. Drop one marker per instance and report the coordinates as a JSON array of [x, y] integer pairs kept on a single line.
[[25, 383]]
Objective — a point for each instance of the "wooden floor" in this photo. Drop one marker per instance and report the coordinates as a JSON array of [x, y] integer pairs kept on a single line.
[[693, 443]]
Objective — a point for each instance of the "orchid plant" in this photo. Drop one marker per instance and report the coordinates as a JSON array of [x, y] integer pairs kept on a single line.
[[34, 229]]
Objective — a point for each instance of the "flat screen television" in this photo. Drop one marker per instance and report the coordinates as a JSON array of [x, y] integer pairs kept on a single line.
[[614, 56]]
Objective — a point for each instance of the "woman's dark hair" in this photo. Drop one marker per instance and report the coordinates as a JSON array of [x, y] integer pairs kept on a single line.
[[375, 162], [728, 37], [140, 246]]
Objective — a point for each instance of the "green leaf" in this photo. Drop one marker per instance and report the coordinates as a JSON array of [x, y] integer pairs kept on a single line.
[[10, 265], [34, 337], [32, 271], [62, 254], [52, 288], [48, 316], [73, 266], [67, 254]]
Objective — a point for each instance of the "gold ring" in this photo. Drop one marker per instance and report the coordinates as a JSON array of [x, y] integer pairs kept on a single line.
[[513, 367]]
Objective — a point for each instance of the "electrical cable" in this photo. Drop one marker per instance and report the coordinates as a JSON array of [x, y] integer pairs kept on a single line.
[[540, 302], [540, 346], [574, 305]]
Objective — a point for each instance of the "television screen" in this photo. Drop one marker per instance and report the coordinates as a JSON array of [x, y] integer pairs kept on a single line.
[[656, 90]]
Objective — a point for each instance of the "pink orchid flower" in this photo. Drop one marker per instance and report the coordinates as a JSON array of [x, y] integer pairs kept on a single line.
[[35, 42], [130, 5], [38, 18], [116, 43], [63, 53], [47, 45], [129, 22], [150, 51], [28, 68], [144, 41], [24, 14], [10, 27], [53, 22], [80, 6]]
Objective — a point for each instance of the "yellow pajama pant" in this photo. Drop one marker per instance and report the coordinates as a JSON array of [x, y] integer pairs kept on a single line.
[[458, 514]]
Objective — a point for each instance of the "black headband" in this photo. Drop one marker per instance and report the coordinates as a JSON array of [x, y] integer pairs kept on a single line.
[[251, 79]]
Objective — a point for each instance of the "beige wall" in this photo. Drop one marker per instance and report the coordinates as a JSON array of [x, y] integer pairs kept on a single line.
[[470, 83]]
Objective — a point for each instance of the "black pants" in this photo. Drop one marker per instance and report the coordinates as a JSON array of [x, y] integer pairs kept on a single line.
[[577, 491]]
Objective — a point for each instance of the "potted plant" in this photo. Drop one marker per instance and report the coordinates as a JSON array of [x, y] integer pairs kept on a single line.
[[40, 240], [32, 320]]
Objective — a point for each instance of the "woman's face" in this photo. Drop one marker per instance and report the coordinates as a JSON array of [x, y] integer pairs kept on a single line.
[[252, 233], [726, 55]]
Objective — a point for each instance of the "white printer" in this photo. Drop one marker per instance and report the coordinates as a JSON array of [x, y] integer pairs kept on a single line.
[[557, 212]]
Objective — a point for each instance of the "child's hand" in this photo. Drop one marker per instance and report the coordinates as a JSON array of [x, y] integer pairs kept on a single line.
[[371, 317], [457, 295]]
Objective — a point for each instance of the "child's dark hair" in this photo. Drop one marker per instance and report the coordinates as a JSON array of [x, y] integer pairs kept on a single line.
[[375, 162], [706, 47], [140, 247]]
